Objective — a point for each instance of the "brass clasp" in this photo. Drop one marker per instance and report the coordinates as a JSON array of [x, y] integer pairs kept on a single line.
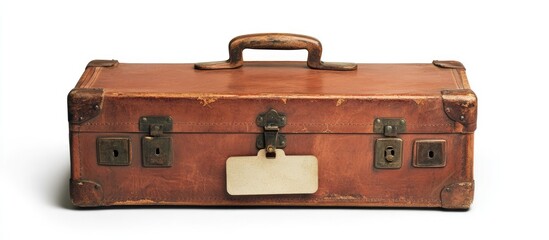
[[271, 139], [388, 150], [156, 147]]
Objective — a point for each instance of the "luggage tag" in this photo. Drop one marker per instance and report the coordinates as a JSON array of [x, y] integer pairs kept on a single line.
[[259, 175]]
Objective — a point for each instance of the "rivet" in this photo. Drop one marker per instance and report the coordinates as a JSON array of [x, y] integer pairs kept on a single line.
[[144, 119], [378, 120], [448, 109], [462, 117], [96, 107], [447, 189], [81, 118]]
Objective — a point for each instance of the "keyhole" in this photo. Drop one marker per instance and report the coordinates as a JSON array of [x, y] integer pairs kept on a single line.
[[115, 153], [389, 153], [157, 151], [431, 154]]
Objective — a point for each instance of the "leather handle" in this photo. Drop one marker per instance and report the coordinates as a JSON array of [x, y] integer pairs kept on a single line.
[[278, 41]]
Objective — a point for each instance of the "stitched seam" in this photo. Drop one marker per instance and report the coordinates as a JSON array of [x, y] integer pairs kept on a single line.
[[85, 78], [119, 123], [246, 123], [94, 77], [245, 200]]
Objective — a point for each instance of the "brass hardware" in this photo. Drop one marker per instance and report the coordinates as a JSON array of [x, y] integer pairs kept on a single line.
[[156, 148], [113, 151], [388, 153], [157, 151], [429, 153], [270, 140], [390, 127], [155, 124]]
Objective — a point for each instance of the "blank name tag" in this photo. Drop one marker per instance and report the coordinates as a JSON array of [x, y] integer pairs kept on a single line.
[[259, 175]]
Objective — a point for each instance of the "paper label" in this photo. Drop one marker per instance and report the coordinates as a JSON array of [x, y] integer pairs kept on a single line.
[[259, 175]]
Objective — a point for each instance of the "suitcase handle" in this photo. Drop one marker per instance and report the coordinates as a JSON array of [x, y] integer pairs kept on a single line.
[[278, 41]]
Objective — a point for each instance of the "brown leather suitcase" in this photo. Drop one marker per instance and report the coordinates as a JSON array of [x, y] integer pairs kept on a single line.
[[237, 133]]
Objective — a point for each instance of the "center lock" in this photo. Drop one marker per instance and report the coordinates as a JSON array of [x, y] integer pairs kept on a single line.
[[271, 139]]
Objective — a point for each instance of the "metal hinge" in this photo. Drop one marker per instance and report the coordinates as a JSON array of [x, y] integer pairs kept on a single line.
[[271, 139], [388, 150], [156, 148]]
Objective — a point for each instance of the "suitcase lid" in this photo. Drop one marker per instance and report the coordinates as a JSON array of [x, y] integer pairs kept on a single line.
[[432, 99], [278, 79], [316, 97]]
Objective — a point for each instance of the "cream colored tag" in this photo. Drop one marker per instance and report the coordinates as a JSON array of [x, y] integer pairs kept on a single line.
[[259, 175]]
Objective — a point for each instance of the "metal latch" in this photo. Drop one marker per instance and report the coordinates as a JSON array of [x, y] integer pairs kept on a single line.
[[388, 150], [156, 148], [271, 139], [390, 127]]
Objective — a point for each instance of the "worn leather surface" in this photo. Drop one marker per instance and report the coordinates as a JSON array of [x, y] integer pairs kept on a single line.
[[339, 115], [279, 79], [329, 114], [338, 101], [345, 165]]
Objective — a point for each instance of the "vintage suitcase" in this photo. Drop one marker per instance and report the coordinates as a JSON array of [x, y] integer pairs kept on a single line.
[[237, 133]]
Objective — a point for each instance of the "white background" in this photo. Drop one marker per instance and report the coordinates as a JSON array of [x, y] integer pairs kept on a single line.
[[46, 44]]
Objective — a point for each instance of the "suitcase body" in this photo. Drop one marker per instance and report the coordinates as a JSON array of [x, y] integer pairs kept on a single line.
[[383, 135]]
